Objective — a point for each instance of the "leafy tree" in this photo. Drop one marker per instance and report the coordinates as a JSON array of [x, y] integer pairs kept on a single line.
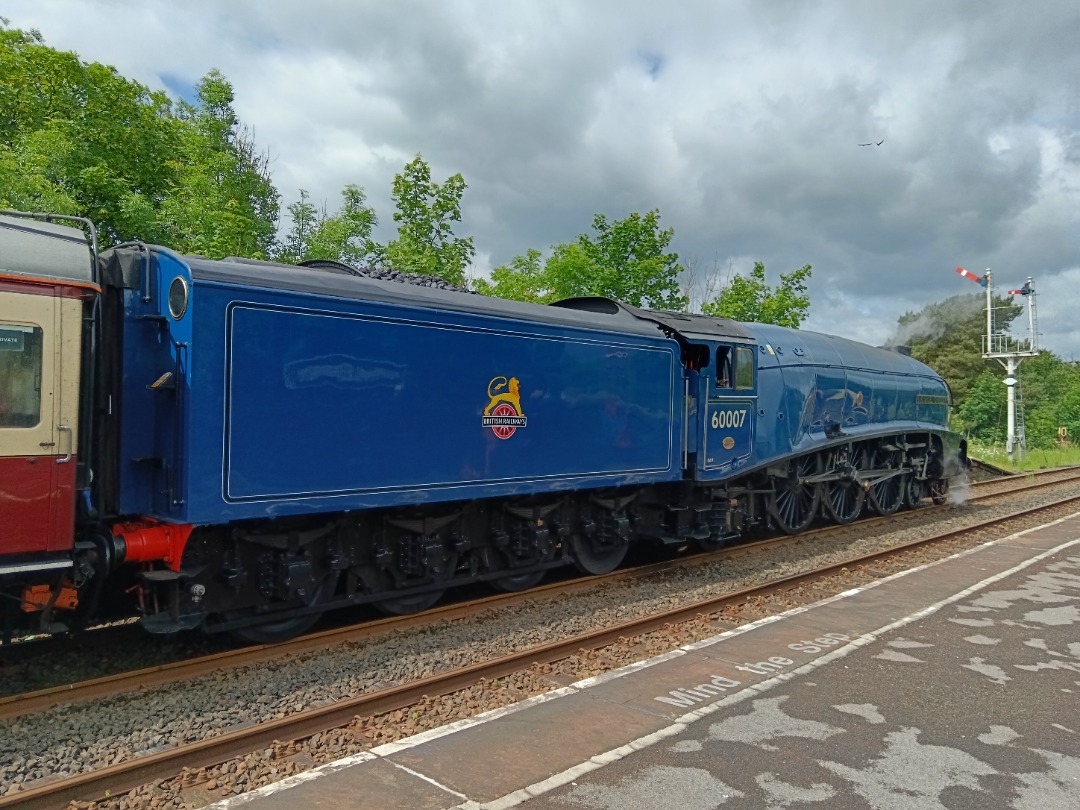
[[625, 260], [221, 201], [750, 298], [79, 138], [425, 215], [1046, 383], [1049, 393], [947, 336], [981, 415], [1069, 410], [343, 237], [521, 280]]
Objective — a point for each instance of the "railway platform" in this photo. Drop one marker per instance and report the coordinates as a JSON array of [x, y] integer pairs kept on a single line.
[[953, 685]]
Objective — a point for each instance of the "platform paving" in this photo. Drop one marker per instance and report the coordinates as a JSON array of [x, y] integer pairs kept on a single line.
[[952, 686]]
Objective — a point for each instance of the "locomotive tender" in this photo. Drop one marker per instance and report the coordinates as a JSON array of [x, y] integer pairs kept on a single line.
[[242, 445]]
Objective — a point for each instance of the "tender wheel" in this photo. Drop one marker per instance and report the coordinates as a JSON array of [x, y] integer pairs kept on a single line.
[[403, 605], [419, 563], [793, 503], [274, 632], [843, 500], [518, 582], [887, 496], [525, 551], [914, 491], [597, 554]]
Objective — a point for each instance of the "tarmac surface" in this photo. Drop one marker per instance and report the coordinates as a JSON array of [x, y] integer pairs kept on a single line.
[[954, 685]]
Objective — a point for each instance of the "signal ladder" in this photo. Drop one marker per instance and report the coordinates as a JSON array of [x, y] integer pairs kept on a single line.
[[1021, 432]]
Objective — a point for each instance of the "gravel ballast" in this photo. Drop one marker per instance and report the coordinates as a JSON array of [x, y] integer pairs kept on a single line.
[[80, 738]]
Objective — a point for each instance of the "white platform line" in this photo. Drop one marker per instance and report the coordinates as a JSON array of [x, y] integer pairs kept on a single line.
[[680, 723]]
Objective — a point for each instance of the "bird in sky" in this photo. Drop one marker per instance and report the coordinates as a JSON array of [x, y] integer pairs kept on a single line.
[[879, 143]]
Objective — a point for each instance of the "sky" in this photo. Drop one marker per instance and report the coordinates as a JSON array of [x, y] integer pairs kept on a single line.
[[739, 121]]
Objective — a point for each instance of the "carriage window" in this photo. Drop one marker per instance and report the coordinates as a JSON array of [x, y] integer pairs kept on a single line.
[[723, 367], [20, 370], [744, 368]]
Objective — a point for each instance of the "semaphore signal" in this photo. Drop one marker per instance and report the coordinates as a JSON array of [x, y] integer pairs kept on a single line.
[[1008, 350]]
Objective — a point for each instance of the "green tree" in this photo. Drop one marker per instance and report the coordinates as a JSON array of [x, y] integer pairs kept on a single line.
[[1069, 411], [626, 260], [1045, 385], [750, 298], [425, 214], [221, 200], [947, 336], [982, 413], [521, 280], [80, 139], [343, 237]]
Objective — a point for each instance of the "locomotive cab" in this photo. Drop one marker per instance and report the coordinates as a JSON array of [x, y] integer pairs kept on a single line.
[[729, 395]]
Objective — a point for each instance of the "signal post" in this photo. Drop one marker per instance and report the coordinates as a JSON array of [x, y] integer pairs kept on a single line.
[[1007, 349]]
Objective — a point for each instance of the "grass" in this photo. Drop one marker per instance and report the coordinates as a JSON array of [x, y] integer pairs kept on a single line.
[[1033, 458]]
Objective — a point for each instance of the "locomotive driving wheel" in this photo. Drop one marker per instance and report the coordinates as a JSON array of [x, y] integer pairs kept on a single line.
[[794, 502], [844, 498], [887, 495]]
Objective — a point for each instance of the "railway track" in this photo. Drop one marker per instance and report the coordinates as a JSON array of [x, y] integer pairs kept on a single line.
[[169, 763], [109, 686]]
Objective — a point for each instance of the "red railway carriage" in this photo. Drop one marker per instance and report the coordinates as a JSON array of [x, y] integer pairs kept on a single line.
[[47, 295]]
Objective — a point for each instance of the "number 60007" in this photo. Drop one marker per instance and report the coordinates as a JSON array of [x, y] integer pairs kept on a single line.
[[728, 419]]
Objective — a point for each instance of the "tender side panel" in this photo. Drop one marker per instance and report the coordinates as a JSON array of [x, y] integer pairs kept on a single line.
[[328, 404]]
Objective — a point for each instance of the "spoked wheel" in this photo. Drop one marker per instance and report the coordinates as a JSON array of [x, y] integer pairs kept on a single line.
[[914, 491], [273, 632], [939, 491], [887, 495], [793, 503], [844, 499], [595, 555]]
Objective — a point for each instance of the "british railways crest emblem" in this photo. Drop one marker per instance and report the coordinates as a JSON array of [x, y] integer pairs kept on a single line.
[[503, 413]]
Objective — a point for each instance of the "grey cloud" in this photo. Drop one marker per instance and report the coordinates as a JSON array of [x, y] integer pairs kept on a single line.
[[738, 121]]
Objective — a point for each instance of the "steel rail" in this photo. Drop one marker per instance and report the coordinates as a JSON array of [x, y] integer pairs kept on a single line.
[[117, 779], [12, 706]]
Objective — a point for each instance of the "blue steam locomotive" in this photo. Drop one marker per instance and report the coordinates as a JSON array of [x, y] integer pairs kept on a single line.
[[243, 445]]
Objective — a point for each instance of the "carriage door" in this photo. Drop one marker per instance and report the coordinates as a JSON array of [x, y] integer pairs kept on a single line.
[[729, 414], [40, 335]]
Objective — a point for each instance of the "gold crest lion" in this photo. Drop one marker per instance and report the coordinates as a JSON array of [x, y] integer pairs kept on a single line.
[[501, 389]]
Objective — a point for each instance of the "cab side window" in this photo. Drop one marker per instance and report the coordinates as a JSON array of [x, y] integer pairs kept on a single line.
[[744, 368], [723, 367], [20, 369]]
